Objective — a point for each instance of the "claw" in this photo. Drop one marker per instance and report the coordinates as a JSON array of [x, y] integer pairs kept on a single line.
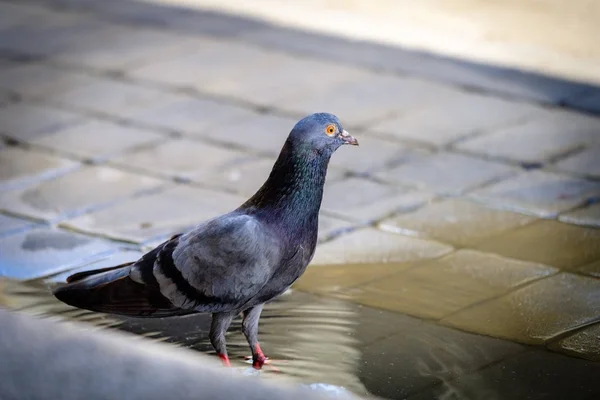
[[258, 364]]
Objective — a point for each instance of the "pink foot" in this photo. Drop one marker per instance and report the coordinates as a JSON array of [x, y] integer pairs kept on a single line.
[[225, 360], [260, 359]]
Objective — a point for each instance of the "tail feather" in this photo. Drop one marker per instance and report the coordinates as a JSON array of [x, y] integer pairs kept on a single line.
[[80, 275], [111, 290]]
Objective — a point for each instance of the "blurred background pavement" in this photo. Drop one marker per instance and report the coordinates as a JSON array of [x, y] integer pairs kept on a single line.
[[468, 243]]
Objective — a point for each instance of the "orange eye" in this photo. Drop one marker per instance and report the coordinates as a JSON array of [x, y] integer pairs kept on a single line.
[[330, 131]]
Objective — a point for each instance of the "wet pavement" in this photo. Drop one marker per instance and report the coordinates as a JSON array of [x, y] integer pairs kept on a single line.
[[368, 351], [463, 265]]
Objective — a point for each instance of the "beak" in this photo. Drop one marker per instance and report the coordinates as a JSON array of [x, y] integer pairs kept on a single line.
[[348, 139]]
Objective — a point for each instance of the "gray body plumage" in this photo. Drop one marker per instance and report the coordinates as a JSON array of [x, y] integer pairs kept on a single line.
[[234, 263], [227, 262]]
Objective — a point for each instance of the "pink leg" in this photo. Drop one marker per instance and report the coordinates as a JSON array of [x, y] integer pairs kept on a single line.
[[259, 358]]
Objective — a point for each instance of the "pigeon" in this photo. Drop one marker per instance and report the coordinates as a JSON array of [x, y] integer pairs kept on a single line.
[[232, 264]]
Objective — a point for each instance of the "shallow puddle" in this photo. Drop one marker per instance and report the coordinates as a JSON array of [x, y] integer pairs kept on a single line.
[[317, 339]]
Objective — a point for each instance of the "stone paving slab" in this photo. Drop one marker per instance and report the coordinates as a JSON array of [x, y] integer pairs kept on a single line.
[[548, 242], [372, 246], [287, 80], [326, 279], [376, 201], [539, 193], [588, 102], [453, 116], [264, 134], [113, 97], [425, 355], [585, 343], [382, 57], [19, 167], [194, 117], [146, 217], [537, 312], [331, 226], [48, 32], [120, 48], [216, 70], [468, 277], [9, 224], [120, 82], [24, 121], [181, 158], [584, 163], [447, 173], [548, 135], [370, 55], [459, 222], [184, 70], [376, 155], [76, 193], [588, 216], [39, 80], [45, 251], [446, 69], [541, 376], [368, 100], [592, 269], [97, 140]]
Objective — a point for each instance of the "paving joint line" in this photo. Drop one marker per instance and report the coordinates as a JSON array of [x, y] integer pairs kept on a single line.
[[253, 107]]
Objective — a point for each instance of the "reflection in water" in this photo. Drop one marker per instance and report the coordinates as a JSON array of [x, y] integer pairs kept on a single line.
[[445, 365], [316, 339], [311, 338]]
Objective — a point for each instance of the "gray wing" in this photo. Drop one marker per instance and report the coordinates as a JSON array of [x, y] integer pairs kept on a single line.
[[219, 266]]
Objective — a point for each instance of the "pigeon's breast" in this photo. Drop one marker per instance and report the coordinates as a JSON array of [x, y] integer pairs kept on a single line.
[[284, 276]]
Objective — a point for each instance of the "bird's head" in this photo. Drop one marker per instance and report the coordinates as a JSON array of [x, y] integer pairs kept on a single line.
[[321, 132]]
